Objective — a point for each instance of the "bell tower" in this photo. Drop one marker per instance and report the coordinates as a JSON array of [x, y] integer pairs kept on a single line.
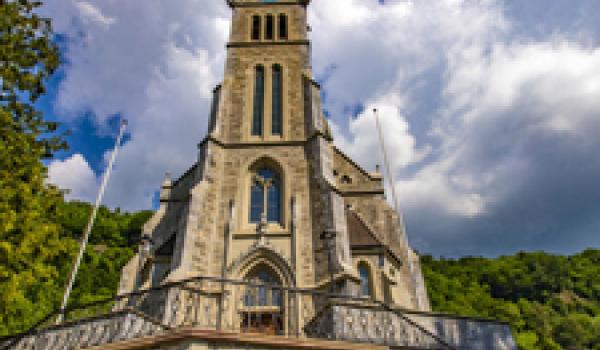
[[267, 57]]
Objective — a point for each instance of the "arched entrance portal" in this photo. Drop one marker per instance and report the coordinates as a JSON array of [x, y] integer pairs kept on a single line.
[[262, 310]]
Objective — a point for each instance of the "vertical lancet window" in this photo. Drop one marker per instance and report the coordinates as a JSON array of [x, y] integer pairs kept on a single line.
[[269, 27], [265, 196], [255, 27], [277, 103], [365, 280], [259, 101], [283, 29]]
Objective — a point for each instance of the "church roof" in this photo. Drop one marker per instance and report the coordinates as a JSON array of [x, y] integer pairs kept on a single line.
[[359, 233]]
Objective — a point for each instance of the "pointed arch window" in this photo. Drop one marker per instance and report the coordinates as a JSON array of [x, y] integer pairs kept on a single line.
[[262, 310], [259, 98], [365, 280], [277, 103], [269, 27], [263, 293], [283, 27], [255, 27], [265, 196]]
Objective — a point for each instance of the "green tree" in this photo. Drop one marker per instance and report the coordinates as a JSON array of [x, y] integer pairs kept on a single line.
[[551, 301], [30, 243]]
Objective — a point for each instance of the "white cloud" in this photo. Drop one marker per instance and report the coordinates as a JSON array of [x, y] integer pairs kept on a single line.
[[389, 56], [365, 51], [75, 175], [93, 14], [480, 119], [363, 141], [154, 64], [519, 91]]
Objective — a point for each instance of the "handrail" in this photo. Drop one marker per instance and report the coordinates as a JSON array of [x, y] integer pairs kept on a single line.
[[387, 307], [16, 338]]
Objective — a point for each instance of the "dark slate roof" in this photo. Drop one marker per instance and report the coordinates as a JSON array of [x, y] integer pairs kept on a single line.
[[359, 233]]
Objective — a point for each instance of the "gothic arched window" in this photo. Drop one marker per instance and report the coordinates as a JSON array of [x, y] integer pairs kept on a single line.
[[269, 27], [265, 186], [365, 279], [255, 27], [283, 32], [259, 100], [262, 310], [277, 103], [264, 291]]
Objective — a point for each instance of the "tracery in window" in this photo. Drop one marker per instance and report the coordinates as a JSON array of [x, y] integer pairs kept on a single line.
[[262, 310], [265, 291], [265, 196]]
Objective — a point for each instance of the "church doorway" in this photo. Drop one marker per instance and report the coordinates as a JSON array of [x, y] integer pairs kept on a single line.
[[262, 310]]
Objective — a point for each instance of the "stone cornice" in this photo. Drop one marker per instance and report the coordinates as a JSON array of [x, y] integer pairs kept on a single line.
[[350, 193], [237, 144], [267, 43], [234, 3]]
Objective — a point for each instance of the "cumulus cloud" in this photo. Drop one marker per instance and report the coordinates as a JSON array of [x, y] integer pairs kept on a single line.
[[153, 64], [75, 174], [363, 141], [91, 13], [505, 124], [492, 131], [518, 151]]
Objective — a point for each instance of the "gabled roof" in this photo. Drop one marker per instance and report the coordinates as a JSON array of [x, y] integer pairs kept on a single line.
[[359, 233]]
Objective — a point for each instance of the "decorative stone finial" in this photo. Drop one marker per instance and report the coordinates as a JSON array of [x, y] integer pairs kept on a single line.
[[165, 188], [167, 182]]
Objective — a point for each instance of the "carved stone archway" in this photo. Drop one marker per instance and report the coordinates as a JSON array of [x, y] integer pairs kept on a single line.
[[263, 304]]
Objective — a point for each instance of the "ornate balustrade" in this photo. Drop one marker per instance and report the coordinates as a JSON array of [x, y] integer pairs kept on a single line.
[[381, 324], [113, 327], [241, 306]]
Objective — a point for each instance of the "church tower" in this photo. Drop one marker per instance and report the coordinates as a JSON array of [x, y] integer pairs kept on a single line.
[[271, 199]]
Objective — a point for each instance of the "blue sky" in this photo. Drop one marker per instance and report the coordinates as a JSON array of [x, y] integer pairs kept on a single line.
[[491, 108]]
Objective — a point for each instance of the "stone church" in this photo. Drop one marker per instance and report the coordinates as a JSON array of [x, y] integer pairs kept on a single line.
[[269, 182], [274, 238]]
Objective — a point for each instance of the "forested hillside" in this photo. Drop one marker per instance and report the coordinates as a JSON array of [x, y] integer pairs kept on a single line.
[[112, 243], [552, 302]]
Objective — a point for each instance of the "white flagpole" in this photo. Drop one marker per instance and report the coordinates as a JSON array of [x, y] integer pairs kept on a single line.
[[390, 176], [388, 169], [90, 224]]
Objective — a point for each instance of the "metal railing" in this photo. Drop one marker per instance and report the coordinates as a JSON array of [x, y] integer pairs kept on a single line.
[[227, 305]]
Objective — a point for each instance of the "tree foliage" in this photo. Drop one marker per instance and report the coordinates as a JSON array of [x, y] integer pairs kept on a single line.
[[113, 241], [551, 302], [30, 244]]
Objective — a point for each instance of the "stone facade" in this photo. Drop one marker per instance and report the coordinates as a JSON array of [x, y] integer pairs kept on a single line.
[[202, 227]]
